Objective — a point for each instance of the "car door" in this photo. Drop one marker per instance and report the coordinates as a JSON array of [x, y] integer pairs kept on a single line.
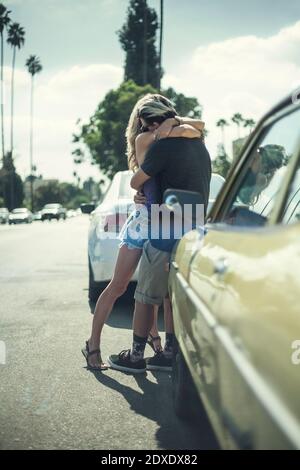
[[246, 273]]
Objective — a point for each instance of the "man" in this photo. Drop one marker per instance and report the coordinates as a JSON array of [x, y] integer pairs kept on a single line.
[[177, 163]]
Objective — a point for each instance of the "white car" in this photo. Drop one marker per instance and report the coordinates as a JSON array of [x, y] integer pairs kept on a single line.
[[106, 222], [21, 215], [4, 215]]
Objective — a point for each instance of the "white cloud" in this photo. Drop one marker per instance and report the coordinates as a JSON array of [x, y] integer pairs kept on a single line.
[[59, 100], [245, 74]]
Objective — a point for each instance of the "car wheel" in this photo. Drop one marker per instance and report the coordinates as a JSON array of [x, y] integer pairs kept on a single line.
[[185, 398], [95, 288]]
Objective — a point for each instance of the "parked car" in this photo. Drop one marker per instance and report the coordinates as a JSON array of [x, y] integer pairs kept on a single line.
[[71, 213], [235, 296], [105, 225], [20, 216], [4, 215], [37, 215], [54, 211]]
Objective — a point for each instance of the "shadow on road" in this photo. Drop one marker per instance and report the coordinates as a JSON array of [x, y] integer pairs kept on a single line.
[[122, 313], [172, 433]]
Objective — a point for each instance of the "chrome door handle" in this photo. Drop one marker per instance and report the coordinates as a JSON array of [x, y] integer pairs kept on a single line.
[[220, 267]]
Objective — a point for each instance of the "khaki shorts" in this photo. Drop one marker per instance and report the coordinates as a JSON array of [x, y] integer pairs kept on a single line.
[[152, 286]]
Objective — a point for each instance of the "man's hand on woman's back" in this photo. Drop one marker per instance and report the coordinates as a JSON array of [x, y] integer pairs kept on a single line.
[[139, 198]]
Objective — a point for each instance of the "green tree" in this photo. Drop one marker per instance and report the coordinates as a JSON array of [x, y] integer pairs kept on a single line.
[[238, 119], [34, 66], [249, 123], [221, 164], [16, 39], [222, 123], [4, 22], [67, 194], [104, 135], [273, 157], [11, 185], [48, 193], [138, 39], [184, 105], [93, 188]]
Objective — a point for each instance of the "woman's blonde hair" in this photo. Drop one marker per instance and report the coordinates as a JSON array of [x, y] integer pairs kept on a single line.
[[149, 107]]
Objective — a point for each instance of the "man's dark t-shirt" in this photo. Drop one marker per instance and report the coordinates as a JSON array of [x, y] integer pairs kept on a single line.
[[178, 163]]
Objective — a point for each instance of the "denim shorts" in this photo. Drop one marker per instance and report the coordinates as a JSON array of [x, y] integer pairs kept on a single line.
[[135, 231]]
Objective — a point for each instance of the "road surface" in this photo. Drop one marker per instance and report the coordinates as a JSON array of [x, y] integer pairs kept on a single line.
[[48, 399]]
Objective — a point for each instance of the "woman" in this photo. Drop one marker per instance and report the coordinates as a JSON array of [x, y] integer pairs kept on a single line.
[[141, 133]]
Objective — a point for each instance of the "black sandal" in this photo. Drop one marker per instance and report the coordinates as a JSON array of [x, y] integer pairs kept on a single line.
[[87, 353], [151, 340]]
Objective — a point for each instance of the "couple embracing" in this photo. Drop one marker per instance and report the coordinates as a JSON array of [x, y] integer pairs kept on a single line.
[[164, 151]]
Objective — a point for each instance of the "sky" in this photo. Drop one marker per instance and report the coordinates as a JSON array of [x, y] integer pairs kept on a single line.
[[233, 55]]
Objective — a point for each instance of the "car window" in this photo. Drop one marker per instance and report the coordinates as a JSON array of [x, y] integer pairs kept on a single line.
[[291, 212], [216, 184], [126, 191], [19, 211], [52, 206], [119, 188], [264, 172]]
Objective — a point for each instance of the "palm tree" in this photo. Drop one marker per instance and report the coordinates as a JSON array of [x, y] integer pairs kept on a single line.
[[16, 39], [237, 118], [4, 22], [161, 40], [249, 123], [222, 123], [34, 66]]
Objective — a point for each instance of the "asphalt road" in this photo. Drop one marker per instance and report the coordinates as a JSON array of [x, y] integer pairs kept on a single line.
[[48, 399]]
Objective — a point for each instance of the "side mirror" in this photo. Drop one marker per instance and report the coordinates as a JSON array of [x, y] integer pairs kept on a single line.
[[87, 208], [187, 206], [173, 197]]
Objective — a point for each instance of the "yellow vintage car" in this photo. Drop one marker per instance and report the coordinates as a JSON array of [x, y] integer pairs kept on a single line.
[[236, 296]]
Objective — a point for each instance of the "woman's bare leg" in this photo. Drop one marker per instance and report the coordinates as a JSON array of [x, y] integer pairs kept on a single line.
[[126, 264]]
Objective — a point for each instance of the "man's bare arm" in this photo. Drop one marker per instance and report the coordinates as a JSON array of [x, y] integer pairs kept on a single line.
[[138, 179], [185, 130]]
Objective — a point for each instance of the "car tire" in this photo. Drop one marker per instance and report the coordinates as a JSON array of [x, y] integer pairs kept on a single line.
[[95, 288], [186, 401]]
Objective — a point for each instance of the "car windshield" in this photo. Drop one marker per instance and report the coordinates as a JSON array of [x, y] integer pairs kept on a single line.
[[51, 206], [19, 211], [216, 184], [119, 188]]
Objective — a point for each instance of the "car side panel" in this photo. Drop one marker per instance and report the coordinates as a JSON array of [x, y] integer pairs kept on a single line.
[[194, 328], [258, 307]]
